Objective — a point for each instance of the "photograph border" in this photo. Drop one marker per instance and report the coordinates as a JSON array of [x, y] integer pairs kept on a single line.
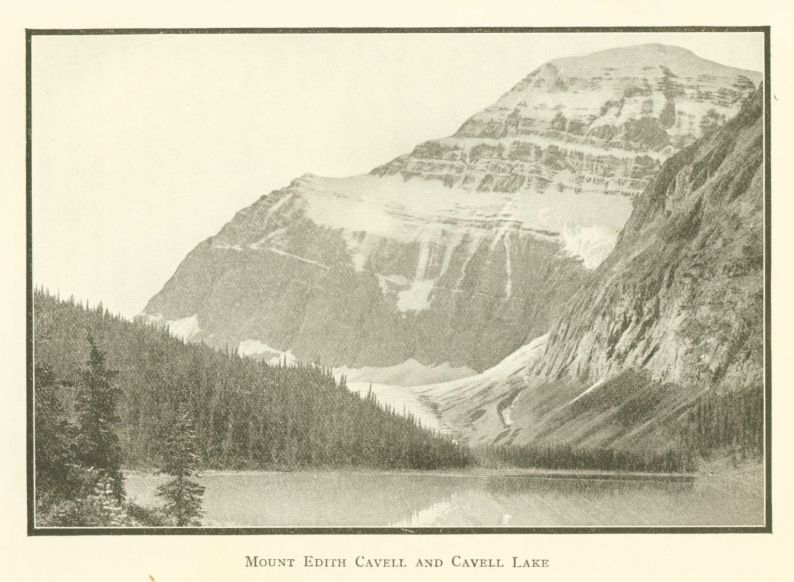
[[32, 530]]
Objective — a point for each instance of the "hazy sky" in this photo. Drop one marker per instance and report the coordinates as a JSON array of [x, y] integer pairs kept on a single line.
[[145, 145]]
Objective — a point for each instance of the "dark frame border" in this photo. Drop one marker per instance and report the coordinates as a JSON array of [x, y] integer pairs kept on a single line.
[[32, 530]]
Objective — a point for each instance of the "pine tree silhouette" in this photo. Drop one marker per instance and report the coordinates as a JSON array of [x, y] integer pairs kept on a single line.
[[57, 476], [182, 495], [99, 447]]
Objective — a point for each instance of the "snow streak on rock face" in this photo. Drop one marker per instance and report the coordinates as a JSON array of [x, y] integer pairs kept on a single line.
[[467, 248]]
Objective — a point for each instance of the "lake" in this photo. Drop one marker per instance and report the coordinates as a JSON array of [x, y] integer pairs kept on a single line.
[[468, 499]]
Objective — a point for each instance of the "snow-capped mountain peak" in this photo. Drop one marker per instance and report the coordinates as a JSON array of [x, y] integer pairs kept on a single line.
[[464, 249]]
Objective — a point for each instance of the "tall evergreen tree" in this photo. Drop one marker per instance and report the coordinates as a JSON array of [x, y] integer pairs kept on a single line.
[[57, 475], [99, 447], [182, 495]]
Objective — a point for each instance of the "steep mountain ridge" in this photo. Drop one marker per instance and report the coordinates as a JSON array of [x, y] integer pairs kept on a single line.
[[465, 249], [682, 294], [672, 317]]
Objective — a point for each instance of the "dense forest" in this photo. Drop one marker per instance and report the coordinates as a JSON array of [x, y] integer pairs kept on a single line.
[[714, 425], [592, 459], [247, 413], [726, 423]]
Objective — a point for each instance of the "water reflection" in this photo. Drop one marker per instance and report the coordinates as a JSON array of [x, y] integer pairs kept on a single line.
[[591, 486], [373, 499]]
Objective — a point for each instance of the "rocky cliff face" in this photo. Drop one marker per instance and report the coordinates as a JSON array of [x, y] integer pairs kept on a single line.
[[465, 249], [681, 296], [676, 310]]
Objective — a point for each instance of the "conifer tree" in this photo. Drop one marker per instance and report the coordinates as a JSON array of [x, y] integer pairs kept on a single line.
[[57, 477], [99, 447], [182, 495]]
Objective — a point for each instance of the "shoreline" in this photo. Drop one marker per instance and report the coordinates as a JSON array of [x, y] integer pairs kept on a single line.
[[561, 474]]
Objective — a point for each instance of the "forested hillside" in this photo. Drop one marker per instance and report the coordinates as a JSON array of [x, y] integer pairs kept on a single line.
[[246, 413]]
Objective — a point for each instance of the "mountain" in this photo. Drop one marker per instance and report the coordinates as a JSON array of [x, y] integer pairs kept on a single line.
[[664, 343], [460, 252]]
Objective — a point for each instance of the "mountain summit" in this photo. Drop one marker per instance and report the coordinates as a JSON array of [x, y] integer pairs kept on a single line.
[[586, 120], [465, 249]]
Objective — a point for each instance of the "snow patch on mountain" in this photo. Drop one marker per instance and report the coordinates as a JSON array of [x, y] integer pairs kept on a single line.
[[369, 209], [415, 389], [592, 243], [252, 347], [360, 246], [416, 297], [185, 328], [402, 401], [409, 373], [515, 363]]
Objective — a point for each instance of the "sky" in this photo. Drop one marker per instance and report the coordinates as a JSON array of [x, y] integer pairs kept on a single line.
[[145, 145]]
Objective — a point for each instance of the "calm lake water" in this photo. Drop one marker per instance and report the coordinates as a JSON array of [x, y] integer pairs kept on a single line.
[[415, 499]]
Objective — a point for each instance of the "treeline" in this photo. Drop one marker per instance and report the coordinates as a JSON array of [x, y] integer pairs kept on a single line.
[[718, 424], [726, 422], [246, 413], [567, 457]]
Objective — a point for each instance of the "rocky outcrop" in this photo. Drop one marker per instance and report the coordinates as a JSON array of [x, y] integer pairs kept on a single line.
[[467, 248]]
